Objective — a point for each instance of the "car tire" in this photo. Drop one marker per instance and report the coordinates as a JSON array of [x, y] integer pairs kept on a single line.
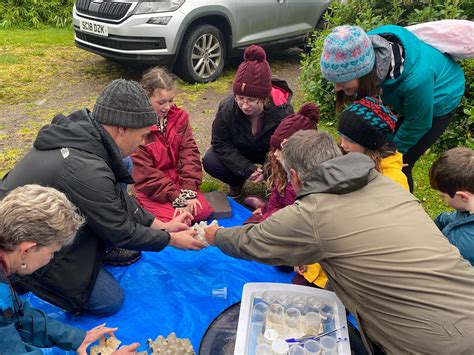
[[202, 55]]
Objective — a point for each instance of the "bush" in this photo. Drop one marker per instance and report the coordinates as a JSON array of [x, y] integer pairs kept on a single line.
[[369, 14], [35, 13]]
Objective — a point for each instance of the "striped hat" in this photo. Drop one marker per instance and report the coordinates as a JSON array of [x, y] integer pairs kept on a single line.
[[368, 123]]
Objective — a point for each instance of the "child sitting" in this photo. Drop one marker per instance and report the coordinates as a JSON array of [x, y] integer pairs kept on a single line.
[[282, 192], [452, 174], [167, 169]]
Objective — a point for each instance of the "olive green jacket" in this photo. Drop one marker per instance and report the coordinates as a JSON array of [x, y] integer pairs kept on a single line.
[[408, 287]]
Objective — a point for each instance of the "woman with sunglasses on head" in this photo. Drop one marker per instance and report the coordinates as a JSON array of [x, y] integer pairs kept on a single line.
[[35, 222], [245, 121]]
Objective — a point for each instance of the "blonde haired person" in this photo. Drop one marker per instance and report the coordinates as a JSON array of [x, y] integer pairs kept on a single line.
[[35, 222]]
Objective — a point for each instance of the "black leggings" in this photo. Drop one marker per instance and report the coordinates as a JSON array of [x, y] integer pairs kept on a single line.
[[439, 125]]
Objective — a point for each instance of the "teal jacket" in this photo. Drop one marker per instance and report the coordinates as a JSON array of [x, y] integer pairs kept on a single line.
[[431, 85], [24, 330], [458, 227]]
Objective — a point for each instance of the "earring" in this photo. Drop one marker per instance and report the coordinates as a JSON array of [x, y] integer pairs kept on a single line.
[[23, 266]]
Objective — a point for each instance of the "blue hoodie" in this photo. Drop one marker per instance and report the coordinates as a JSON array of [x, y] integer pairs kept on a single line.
[[430, 85], [458, 227]]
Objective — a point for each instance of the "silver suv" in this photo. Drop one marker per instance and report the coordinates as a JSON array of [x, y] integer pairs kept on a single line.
[[195, 37]]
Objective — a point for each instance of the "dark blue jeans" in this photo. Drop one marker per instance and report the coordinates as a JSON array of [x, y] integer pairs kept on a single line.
[[214, 167], [107, 295], [129, 164]]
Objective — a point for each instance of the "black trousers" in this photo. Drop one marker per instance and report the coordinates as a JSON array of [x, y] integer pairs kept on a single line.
[[440, 123], [214, 167]]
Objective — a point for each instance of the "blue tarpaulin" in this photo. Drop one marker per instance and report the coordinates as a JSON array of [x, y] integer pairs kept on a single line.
[[171, 291]]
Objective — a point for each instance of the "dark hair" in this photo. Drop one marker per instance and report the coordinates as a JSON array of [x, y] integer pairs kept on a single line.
[[367, 87], [453, 171]]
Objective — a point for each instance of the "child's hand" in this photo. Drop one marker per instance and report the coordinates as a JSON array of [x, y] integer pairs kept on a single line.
[[257, 211], [193, 205], [257, 176], [300, 270]]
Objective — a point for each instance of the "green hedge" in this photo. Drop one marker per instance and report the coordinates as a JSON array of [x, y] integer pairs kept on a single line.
[[35, 13], [369, 14]]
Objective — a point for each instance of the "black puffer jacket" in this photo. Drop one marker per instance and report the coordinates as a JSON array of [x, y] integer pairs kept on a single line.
[[77, 156], [232, 139]]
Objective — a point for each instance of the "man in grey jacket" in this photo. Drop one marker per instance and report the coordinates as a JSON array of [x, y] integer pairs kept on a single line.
[[408, 287]]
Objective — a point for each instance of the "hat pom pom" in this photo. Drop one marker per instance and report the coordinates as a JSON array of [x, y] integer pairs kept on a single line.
[[311, 111], [253, 53]]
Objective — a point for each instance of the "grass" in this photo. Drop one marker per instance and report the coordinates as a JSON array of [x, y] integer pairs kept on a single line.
[[32, 62]]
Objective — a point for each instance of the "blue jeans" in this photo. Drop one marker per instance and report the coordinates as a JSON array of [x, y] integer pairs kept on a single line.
[[107, 296], [129, 165]]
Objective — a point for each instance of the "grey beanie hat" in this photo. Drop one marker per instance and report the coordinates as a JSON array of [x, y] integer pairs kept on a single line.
[[124, 103]]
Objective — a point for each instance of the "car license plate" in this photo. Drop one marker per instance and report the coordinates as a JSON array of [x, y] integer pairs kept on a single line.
[[94, 27]]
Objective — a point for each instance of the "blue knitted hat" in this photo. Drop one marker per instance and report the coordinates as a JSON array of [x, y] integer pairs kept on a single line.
[[347, 54]]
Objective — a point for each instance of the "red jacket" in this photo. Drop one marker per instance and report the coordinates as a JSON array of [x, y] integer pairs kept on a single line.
[[168, 162]]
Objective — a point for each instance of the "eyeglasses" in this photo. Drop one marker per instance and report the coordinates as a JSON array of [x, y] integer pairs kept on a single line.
[[251, 101]]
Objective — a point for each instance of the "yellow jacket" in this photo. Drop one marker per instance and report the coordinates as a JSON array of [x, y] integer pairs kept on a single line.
[[392, 168]]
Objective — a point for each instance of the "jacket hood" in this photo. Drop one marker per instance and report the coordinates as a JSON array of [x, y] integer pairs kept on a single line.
[[383, 57], [410, 43], [80, 131], [341, 175]]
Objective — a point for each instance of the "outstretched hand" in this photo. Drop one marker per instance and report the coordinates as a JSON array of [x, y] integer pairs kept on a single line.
[[179, 223], [184, 240], [210, 234], [93, 335], [127, 349]]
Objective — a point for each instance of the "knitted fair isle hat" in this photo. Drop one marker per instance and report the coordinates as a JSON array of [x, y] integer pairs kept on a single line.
[[368, 122], [253, 78], [306, 118], [347, 54], [124, 103]]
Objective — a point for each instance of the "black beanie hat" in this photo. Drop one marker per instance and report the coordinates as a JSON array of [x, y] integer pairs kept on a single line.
[[368, 123], [124, 103]]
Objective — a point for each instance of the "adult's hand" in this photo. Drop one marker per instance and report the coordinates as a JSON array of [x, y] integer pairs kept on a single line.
[[210, 234], [184, 240], [179, 223], [127, 349], [93, 335]]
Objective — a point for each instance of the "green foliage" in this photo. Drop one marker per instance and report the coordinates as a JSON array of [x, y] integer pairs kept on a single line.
[[35, 13], [461, 128], [370, 14]]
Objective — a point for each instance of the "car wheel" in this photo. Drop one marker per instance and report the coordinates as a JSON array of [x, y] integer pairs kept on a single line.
[[202, 54]]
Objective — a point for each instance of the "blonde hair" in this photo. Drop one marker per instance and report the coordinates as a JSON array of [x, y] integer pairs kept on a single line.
[[157, 78], [278, 176], [37, 214]]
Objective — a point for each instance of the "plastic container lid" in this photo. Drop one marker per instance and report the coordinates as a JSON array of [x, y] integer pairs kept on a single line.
[[280, 346]]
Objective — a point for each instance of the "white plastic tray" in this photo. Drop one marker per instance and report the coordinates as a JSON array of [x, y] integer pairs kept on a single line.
[[255, 290]]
